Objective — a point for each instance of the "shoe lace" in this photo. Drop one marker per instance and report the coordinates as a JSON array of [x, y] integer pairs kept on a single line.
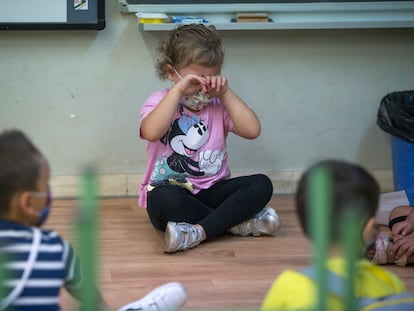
[[157, 303], [190, 236]]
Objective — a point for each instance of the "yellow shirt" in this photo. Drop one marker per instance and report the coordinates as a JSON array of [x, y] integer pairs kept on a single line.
[[295, 291]]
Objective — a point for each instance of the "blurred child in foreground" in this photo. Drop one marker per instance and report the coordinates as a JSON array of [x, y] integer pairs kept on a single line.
[[38, 263], [351, 186]]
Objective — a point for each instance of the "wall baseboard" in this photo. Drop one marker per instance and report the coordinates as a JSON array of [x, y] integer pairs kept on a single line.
[[127, 185]]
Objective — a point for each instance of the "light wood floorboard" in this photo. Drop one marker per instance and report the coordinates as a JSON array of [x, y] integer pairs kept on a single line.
[[227, 273]]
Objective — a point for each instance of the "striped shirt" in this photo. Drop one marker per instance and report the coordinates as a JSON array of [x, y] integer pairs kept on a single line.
[[56, 266]]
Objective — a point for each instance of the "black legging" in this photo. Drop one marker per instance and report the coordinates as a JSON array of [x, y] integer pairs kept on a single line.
[[222, 206]]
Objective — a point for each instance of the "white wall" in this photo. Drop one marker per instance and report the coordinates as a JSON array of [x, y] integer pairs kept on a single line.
[[78, 94]]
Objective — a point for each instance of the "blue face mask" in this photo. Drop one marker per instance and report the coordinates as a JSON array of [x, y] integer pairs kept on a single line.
[[44, 214]]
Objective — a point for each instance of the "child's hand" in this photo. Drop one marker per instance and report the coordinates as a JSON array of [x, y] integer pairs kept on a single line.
[[402, 245], [216, 85], [404, 228], [191, 84]]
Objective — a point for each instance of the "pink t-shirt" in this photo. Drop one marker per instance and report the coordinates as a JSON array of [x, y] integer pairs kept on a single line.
[[193, 151]]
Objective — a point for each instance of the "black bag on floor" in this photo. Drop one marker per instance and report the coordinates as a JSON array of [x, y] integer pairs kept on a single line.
[[396, 114]]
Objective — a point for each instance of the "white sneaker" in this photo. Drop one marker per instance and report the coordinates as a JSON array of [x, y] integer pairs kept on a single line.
[[168, 297], [266, 222], [180, 236]]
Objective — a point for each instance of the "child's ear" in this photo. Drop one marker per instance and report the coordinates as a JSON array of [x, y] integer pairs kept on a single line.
[[370, 231], [25, 206], [170, 72]]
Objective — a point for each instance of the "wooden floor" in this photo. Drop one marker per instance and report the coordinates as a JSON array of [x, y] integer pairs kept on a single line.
[[227, 273]]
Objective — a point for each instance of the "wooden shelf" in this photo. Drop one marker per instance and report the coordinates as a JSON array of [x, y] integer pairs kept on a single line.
[[291, 25]]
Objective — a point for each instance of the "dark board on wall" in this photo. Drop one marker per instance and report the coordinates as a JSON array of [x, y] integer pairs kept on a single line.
[[52, 14]]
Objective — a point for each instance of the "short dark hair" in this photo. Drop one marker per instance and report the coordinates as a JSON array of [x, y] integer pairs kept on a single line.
[[19, 166], [351, 186]]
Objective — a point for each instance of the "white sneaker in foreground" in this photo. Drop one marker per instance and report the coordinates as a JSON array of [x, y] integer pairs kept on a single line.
[[168, 297]]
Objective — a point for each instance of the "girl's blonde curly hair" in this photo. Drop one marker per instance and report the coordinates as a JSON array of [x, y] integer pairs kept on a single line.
[[188, 44]]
